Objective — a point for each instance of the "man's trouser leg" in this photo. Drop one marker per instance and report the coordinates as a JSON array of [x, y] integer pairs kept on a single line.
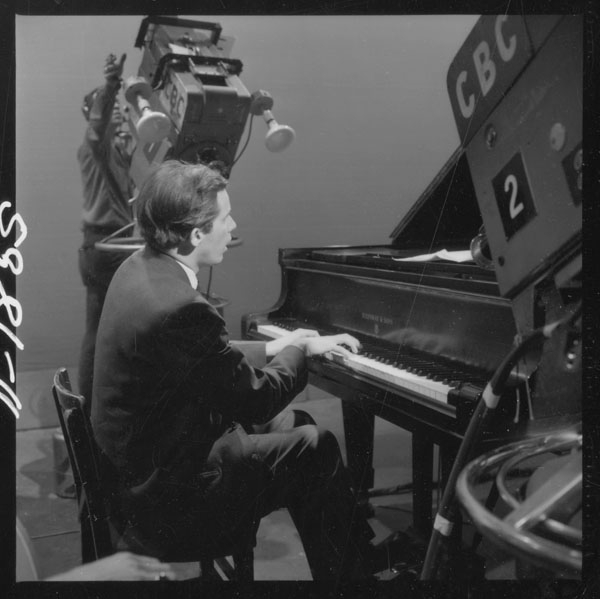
[[310, 479]]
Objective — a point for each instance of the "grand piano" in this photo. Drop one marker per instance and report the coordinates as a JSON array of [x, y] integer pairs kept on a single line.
[[432, 332]]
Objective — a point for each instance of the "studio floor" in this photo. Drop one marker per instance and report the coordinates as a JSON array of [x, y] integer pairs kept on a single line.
[[51, 522]]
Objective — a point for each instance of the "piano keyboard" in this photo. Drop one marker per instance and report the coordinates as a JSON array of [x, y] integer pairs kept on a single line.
[[379, 370]]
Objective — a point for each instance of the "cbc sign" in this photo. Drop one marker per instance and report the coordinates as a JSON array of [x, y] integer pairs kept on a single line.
[[494, 53]]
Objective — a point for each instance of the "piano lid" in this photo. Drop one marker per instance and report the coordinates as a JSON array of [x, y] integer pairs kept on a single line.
[[446, 215]]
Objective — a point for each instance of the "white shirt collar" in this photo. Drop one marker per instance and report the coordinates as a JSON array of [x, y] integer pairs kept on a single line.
[[191, 275]]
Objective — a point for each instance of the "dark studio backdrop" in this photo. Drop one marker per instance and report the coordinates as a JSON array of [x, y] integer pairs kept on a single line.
[[366, 95]]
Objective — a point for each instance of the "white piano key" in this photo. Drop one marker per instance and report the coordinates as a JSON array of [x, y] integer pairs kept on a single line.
[[397, 376], [271, 330]]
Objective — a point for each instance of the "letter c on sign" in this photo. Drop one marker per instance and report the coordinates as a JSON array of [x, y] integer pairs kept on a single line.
[[465, 109], [506, 52]]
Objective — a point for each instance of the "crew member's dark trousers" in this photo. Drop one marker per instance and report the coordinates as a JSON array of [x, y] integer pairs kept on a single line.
[[310, 479], [96, 268]]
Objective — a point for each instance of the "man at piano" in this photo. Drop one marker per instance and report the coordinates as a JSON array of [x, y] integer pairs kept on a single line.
[[195, 425]]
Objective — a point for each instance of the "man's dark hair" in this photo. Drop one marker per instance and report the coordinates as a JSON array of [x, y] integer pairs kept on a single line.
[[176, 198]]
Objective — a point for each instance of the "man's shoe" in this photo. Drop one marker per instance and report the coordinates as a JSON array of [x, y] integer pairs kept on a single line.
[[398, 553]]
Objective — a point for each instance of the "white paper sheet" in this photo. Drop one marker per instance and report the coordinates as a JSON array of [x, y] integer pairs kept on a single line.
[[456, 256]]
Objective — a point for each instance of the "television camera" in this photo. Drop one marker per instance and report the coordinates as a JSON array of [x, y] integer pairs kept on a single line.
[[188, 101]]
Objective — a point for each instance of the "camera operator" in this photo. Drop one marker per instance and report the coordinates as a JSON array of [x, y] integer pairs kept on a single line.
[[104, 159]]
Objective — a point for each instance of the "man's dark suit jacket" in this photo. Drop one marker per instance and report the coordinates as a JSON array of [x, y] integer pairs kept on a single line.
[[168, 386]]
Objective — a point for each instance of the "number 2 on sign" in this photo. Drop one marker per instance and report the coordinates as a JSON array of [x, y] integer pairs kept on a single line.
[[513, 196], [511, 185]]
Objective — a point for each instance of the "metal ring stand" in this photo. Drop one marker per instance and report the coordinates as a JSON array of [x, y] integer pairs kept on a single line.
[[531, 529], [132, 244], [116, 243]]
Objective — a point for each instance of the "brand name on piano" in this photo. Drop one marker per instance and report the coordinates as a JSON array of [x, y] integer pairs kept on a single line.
[[377, 318]]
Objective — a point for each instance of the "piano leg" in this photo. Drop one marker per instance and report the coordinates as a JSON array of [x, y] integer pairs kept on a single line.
[[359, 433], [422, 468]]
